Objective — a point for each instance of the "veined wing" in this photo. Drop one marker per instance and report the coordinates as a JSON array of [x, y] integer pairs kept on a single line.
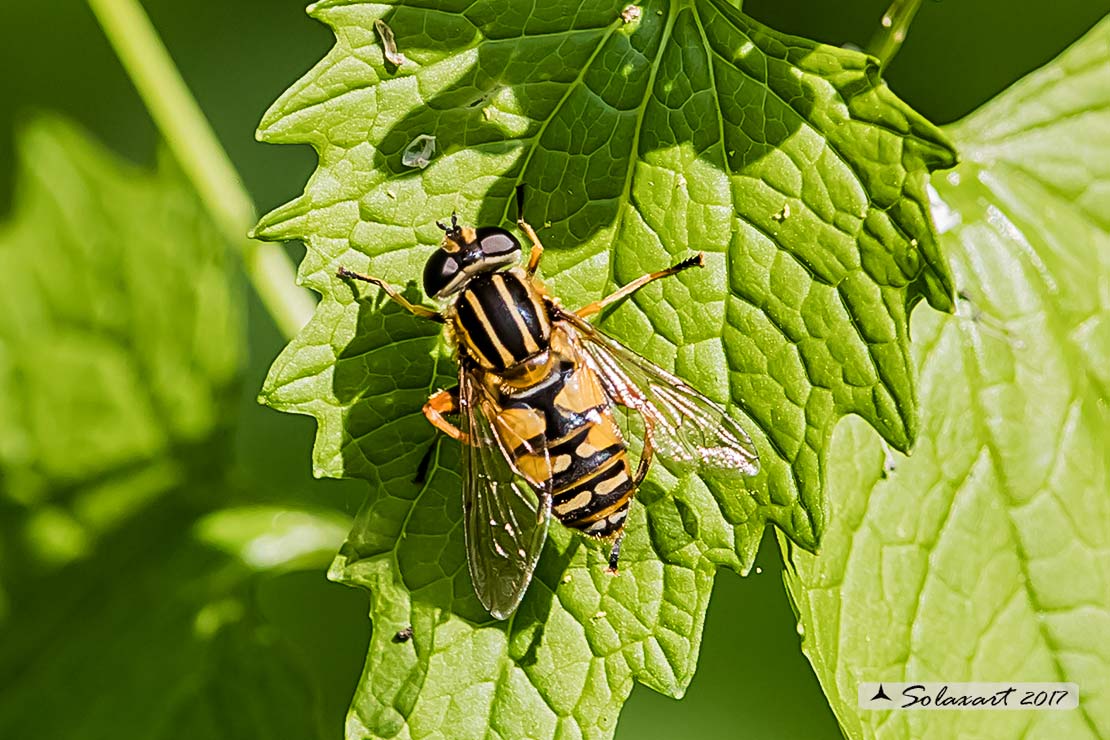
[[682, 424], [504, 520]]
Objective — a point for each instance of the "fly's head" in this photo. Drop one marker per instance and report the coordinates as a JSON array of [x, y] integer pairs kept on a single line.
[[464, 253]]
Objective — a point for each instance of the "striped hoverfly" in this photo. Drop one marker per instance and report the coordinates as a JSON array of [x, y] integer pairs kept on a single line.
[[536, 400]]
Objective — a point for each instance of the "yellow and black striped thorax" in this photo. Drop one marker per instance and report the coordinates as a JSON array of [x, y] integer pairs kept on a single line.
[[501, 319]]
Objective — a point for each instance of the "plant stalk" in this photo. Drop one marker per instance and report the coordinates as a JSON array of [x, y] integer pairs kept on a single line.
[[893, 29], [195, 146]]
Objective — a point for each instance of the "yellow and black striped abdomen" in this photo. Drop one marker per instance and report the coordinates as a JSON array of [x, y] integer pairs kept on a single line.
[[501, 320], [594, 488], [587, 460]]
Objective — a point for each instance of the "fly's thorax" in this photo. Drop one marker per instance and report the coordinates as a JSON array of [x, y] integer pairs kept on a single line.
[[526, 374], [501, 320]]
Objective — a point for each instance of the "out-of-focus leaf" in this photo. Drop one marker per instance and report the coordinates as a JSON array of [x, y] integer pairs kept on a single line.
[[986, 555], [274, 538], [639, 138], [120, 346], [155, 636], [120, 343]]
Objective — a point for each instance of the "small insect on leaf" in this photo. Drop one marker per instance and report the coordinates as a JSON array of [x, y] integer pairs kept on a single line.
[[538, 388], [403, 635]]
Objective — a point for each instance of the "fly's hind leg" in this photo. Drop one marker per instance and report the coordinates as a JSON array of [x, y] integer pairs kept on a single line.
[[645, 462], [697, 260], [637, 479], [615, 554], [440, 404]]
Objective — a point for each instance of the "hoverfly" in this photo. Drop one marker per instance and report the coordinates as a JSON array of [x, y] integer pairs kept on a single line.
[[538, 388]]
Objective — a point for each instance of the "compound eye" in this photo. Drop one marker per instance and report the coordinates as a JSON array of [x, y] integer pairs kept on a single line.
[[496, 242], [440, 269]]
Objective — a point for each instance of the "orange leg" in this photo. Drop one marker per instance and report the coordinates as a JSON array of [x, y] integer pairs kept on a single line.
[[422, 311], [637, 479], [537, 247], [440, 404], [645, 462], [696, 261]]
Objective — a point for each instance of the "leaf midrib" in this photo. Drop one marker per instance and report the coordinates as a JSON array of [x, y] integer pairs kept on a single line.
[[571, 87], [1007, 499]]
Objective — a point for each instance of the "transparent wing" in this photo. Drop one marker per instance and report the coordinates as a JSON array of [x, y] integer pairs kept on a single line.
[[504, 520], [682, 424]]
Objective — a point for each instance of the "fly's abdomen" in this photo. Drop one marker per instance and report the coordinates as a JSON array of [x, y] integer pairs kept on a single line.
[[501, 320], [593, 480], [562, 436]]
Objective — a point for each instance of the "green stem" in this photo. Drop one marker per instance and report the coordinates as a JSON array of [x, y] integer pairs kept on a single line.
[[893, 29], [204, 161]]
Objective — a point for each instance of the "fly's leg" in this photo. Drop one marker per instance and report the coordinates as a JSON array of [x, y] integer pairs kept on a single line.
[[537, 248], [544, 509], [440, 404], [615, 554], [697, 260], [637, 479], [422, 311], [421, 476], [645, 462]]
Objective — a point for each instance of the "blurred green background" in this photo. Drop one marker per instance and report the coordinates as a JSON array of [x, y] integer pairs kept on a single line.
[[238, 56]]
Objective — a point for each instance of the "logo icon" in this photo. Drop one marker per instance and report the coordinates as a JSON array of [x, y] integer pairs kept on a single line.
[[880, 694]]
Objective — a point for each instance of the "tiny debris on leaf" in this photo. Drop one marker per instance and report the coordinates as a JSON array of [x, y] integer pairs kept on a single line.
[[419, 152], [889, 463], [631, 13], [389, 44], [783, 214]]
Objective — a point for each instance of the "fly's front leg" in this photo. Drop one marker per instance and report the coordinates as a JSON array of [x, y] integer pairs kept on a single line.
[[537, 248], [697, 260], [441, 404], [395, 295]]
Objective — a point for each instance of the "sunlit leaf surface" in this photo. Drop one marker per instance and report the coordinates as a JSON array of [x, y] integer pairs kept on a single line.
[[639, 140], [986, 555]]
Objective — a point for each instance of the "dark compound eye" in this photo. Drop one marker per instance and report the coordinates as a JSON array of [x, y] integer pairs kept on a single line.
[[440, 269], [495, 242]]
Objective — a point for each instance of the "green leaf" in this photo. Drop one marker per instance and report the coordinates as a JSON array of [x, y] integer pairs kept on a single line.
[[121, 343], [179, 641], [694, 127], [983, 557], [273, 538]]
